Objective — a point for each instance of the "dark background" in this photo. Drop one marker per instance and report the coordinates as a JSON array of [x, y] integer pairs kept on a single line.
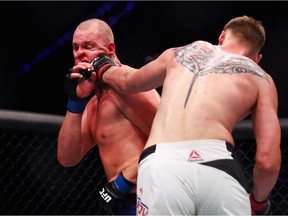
[[38, 34]]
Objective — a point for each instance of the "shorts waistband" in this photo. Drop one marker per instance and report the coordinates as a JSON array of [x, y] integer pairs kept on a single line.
[[147, 151], [152, 149]]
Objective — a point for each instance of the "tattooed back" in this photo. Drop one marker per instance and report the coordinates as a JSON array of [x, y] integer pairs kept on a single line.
[[206, 92]]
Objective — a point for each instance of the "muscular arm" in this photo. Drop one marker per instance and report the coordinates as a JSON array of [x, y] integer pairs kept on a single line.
[[267, 134], [74, 139], [126, 79]]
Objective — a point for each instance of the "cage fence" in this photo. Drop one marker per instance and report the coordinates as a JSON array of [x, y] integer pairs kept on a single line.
[[33, 182]]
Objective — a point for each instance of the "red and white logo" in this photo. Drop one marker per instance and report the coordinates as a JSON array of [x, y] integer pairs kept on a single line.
[[195, 156], [142, 209]]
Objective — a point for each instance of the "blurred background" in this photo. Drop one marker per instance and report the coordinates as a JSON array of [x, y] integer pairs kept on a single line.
[[36, 50]]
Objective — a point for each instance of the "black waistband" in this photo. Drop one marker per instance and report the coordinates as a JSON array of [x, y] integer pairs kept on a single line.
[[229, 146], [152, 149], [147, 151]]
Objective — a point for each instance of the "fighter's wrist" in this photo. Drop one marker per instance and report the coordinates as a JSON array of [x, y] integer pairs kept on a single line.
[[102, 70], [122, 184], [254, 199], [76, 106], [260, 208], [101, 64]]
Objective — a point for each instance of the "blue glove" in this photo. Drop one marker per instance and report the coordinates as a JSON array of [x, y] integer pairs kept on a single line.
[[114, 192], [75, 104]]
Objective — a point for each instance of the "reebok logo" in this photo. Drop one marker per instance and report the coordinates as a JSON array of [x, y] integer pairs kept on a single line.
[[194, 156]]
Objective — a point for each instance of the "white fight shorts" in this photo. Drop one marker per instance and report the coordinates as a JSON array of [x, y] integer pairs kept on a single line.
[[198, 177]]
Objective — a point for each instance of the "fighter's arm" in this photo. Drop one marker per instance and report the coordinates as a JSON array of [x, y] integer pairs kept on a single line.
[[126, 79], [75, 139], [267, 133], [140, 108]]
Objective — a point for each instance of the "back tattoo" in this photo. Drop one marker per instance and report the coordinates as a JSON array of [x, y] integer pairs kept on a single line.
[[202, 62]]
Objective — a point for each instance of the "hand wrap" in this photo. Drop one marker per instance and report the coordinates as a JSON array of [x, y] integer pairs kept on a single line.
[[75, 104], [260, 208], [112, 193], [101, 64]]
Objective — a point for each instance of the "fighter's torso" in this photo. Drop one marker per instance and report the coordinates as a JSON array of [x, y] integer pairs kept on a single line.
[[118, 138], [205, 93]]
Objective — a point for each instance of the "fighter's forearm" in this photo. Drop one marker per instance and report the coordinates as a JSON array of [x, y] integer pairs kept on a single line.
[[119, 78], [69, 140], [264, 181]]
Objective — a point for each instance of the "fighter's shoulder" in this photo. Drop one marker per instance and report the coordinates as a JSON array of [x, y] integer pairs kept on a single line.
[[196, 47], [247, 65], [198, 43], [202, 43]]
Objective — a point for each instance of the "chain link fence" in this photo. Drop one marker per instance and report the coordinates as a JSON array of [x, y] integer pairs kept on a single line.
[[32, 182]]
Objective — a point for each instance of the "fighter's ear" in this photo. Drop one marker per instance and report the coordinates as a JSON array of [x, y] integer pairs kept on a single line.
[[258, 58], [221, 38], [111, 49]]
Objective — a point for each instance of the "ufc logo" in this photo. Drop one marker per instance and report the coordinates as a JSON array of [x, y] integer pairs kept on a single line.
[[104, 195], [142, 209]]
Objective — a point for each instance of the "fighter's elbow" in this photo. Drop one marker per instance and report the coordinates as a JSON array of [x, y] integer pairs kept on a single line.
[[65, 162], [268, 163]]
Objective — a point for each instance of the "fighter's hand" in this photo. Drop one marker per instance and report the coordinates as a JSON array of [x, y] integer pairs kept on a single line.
[[260, 208], [112, 193], [101, 64], [82, 70], [78, 88], [85, 78]]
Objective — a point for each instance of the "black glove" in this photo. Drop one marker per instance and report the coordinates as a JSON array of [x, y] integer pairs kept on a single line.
[[75, 104], [112, 193], [260, 208], [101, 64]]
